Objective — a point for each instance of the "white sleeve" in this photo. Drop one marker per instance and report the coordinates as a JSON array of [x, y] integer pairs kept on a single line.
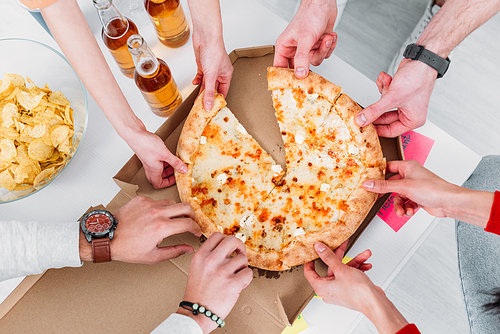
[[178, 324], [28, 248]]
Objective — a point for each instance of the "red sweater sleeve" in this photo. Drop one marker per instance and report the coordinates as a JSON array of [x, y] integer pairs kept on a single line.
[[409, 329], [493, 224]]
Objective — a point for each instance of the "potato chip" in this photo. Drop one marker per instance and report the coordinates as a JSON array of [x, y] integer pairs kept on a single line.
[[9, 113], [44, 116], [22, 156], [36, 132], [59, 133], [9, 133], [9, 83], [7, 150], [24, 174], [43, 175], [58, 98], [39, 151], [29, 100], [4, 165], [17, 80], [65, 146], [7, 180]]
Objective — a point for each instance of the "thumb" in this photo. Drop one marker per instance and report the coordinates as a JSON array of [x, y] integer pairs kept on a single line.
[[175, 162], [383, 186], [209, 92], [301, 59], [371, 113], [328, 256]]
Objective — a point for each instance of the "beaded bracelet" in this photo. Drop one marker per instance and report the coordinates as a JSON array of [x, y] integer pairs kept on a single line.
[[195, 308]]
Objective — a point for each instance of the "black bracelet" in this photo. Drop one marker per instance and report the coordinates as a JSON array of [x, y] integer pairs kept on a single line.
[[195, 308]]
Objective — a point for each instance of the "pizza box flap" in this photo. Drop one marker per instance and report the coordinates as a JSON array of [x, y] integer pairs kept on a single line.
[[136, 298]]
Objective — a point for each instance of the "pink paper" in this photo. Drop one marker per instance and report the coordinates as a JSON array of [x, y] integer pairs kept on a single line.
[[415, 147]]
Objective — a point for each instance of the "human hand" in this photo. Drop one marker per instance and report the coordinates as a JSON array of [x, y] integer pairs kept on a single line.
[[216, 278], [404, 101], [415, 186], [142, 225], [344, 284], [214, 67], [347, 286], [309, 38], [157, 160]]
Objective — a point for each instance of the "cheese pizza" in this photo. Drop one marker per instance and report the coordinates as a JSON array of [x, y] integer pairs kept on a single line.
[[236, 188]]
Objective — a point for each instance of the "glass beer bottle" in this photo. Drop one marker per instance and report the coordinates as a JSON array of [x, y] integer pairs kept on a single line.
[[116, 29], [169, 20], [153, 78]]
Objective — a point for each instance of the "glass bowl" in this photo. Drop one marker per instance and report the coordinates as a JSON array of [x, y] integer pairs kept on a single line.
[[44, 65]]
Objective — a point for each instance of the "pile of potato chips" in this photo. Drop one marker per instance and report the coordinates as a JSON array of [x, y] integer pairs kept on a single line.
[[36, 132]]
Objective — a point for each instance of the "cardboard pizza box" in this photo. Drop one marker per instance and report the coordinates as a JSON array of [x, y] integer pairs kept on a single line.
[[119, 297]]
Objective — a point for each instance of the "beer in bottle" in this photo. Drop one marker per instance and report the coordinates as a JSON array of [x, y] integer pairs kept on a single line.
[[116, 29], [153, 78], [169, 21]]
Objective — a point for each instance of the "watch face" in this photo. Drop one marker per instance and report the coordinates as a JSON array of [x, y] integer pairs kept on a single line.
[[98, 222]]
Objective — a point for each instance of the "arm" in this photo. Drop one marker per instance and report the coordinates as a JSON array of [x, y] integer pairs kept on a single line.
[[417, 186], [309, 38], [215, 280], [65, 20], [28, 248], [214, 67], [349, 287], [142, 225], [405, 98]]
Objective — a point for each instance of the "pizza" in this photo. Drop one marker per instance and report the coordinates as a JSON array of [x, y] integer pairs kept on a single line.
[[279, 212]]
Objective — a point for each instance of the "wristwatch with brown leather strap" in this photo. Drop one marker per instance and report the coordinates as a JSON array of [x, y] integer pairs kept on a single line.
[[99, 226]]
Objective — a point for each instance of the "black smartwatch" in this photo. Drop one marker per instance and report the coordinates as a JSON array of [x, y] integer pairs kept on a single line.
[[418, 52], [99, 226]]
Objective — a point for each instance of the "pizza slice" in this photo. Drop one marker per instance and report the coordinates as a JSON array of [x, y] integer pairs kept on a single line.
[[229, 174]]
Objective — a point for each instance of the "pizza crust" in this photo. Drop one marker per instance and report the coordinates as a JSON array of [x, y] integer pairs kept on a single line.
[[195, 123], [366, 138], [187, 145], [281, 78]]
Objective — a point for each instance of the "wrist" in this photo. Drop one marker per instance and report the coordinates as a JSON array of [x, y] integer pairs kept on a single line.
[[383, 314], [85, 249], [419, 71], [207, 325]]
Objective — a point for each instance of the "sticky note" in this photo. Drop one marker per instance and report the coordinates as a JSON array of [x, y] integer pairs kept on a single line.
[[415, 147], [388, 214], [346, 259], [298, 326]]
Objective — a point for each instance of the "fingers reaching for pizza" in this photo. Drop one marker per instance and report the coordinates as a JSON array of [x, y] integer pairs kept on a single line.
[[214, 67], [159, 163], [216, 278], [143, 223], [345, 285], [358, 262], [404, 101], [415, 186], [307, 41], [349, 287]]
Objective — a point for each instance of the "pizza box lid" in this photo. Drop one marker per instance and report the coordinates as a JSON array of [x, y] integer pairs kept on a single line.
[[119, 297]]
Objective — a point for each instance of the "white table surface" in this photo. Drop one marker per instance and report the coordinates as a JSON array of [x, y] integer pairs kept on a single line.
[[87, 181]]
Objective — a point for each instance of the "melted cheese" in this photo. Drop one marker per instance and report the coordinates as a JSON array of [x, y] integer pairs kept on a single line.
[[298, 231], [222, 178]]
